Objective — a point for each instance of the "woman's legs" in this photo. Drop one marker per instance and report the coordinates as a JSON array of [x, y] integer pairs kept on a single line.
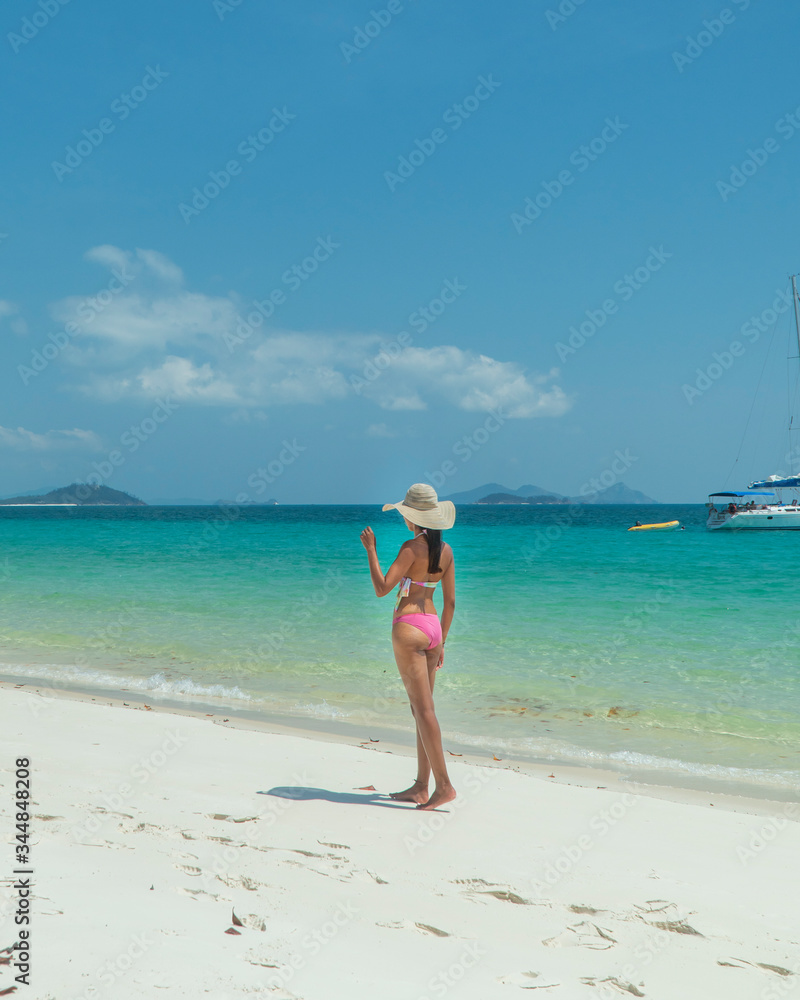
[[417, 667], [418, 792]]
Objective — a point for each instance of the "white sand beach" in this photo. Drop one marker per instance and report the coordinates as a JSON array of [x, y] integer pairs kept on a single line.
[[150, 830]]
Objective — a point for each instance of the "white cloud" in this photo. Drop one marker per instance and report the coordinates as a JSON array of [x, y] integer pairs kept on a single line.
[[109, 256], [150, 336], [468, 381], [180, 379], [17, 323], [388, 401], [380, 431], [24, 440], [243, 415], [134, 311], [161, 265]]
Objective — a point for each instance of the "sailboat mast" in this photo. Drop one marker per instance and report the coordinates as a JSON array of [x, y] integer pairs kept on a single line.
[[797, 330]]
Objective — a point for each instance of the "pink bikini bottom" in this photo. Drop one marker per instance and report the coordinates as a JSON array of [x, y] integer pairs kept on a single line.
[[429, 624]]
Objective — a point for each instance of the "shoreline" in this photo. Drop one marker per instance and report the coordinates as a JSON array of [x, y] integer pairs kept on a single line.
[[230, 860], [736, 796]]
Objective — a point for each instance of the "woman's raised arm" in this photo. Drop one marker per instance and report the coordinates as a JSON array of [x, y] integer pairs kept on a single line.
[[385, 584]]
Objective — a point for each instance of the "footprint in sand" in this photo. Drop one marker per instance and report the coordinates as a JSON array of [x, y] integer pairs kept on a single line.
[[665, 916], [362, 875], [505, 895], [194, 893], [232, 819], [430, 929], [251, 920], [410, 925], [523, 980], [238, 882], [743, 963], [189, 870], [617, 983], [262, 963], [582, 935]]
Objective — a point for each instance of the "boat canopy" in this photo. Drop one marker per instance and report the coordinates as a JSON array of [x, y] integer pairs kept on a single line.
[[743, 493], [774, 481]]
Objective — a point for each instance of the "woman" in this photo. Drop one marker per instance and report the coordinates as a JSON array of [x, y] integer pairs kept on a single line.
[[417, 635]]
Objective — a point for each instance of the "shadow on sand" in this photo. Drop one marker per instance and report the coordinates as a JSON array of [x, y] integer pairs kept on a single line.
[[300, 793]]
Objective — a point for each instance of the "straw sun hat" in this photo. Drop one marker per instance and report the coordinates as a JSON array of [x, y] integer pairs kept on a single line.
[[423, 507]]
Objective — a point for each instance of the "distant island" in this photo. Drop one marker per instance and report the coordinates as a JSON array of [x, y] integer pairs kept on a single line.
[[513, 498], [272, 502], [528, 494], [78, 494], [474, 496]]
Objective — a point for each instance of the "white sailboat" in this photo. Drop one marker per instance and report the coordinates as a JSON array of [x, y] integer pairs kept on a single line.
[[765, 505]]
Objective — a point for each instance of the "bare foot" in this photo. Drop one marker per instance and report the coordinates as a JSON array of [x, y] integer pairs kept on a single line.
[[439, 798], [417, 793]]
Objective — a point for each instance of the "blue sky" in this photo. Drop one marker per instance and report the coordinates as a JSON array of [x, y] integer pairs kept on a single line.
[[366, 178]]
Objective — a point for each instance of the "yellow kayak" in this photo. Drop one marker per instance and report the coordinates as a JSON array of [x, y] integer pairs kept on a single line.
[[664, 526]]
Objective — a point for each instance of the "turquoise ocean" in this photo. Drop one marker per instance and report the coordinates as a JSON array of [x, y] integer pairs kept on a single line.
[[670, 655]]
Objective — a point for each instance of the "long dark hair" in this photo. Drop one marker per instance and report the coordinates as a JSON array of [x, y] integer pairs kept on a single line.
[[434, 537]]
